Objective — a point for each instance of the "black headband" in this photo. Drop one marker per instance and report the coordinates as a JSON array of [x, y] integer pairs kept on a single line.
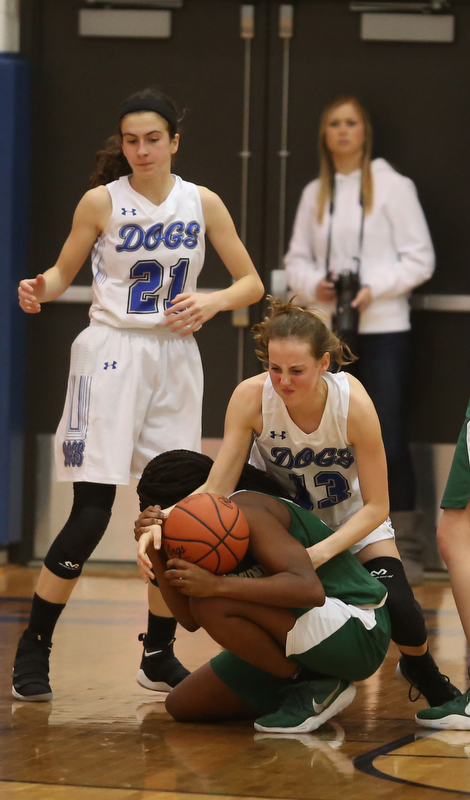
[[150, 104]]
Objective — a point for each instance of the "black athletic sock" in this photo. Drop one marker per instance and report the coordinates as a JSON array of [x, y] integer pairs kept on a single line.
[[160, 631], [418, 660], [44, 616]]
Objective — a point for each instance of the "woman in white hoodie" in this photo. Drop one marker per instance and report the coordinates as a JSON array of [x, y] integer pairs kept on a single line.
[[363, 213]]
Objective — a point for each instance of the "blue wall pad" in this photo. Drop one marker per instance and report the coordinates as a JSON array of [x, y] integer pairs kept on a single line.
[[14, 202]]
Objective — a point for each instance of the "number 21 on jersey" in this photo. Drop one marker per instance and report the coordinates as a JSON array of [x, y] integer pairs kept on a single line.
[[144, 293]]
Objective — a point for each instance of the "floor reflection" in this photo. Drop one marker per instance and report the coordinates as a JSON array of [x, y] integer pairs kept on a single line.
[[102, 730]]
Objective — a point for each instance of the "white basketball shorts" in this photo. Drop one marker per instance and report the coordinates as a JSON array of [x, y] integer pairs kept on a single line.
[[384, 531], [131, 395]]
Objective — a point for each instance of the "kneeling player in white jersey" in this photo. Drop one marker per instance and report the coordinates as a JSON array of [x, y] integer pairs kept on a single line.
[[135, 385], [317, 433]]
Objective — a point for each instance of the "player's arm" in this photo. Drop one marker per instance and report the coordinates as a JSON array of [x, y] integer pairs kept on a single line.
[[197, 307], [243, 416], [365, 434], [177, 602], [221, 231], [90, 218], [291, 581]]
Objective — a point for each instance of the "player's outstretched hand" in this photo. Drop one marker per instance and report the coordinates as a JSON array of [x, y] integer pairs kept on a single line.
[[189, 311], [30, 293], [152, 515], [191, 579], [152, 538]]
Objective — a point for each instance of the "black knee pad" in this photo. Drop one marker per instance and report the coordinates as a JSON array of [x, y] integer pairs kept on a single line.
[[89, 518], [406, 616]]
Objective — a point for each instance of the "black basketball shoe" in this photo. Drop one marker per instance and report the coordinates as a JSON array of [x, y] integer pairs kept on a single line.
[[160, 670], [31, 669], [422, 673]]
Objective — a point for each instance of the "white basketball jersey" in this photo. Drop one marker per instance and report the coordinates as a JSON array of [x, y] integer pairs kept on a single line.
[[317, 469], [147, 255]]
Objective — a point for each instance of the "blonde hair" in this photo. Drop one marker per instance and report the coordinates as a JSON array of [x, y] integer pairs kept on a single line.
[[285, 320], [327, 167]]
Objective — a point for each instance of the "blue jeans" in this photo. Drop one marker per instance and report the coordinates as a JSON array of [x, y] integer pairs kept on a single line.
[[383, 368]]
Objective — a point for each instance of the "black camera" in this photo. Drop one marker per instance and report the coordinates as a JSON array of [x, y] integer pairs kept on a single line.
[[346, 319]]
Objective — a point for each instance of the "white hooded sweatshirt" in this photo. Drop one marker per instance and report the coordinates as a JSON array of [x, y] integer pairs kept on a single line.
[[397, 252]]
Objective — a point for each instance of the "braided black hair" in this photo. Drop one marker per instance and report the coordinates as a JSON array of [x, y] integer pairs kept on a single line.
[[173, 475]]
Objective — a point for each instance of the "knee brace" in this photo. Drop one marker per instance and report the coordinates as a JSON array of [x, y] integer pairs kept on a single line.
[[406, 616], [89, 518]]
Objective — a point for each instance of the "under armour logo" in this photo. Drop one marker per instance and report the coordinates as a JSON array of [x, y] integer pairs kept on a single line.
[[129, 211], [107, 364], [380, 573], [281, 435], [69, 565]]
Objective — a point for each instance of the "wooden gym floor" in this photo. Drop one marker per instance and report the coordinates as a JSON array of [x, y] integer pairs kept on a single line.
[[105, 738]]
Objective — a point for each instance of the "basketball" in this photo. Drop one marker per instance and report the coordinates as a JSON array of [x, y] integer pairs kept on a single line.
[[207, 530]]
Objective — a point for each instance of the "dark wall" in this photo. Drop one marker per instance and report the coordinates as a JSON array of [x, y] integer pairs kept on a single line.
[[418, 96]]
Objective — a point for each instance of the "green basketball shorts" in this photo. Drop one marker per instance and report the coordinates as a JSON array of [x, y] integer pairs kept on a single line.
[[340, 640], [335, 639]]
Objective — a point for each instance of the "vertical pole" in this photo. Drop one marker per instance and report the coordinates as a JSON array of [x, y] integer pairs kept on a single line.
[[240, 316], [286, 31], [247, 19]]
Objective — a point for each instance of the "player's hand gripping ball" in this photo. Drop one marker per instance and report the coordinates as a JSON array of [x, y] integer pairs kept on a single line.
[[207, 530]]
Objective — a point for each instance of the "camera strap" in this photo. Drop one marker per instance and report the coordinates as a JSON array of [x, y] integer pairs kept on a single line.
[[357, 258]]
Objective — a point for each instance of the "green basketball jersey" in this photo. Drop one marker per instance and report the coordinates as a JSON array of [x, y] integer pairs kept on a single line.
[[342, 576]]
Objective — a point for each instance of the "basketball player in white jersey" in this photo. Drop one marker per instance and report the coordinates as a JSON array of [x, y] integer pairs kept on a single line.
[[317, 433], [135, 385]]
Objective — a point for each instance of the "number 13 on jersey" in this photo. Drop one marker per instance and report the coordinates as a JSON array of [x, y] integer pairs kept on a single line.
[[335, 484], [144, 293]]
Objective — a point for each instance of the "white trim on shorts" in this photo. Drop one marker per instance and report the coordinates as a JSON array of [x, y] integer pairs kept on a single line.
[[321, 622], [380, 534]]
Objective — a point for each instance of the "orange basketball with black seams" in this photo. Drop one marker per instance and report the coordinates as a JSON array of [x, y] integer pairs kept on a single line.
[[208, 530]]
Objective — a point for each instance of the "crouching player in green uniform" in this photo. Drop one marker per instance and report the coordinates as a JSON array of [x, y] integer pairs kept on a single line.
[[295, 638]]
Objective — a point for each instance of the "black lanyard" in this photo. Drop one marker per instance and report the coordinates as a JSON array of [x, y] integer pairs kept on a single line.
[[357, 258]]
